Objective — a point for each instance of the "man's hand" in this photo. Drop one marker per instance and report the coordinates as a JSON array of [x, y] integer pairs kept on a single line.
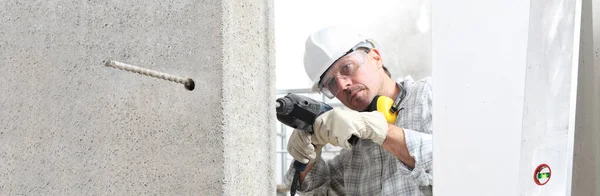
[[300, 146], [336, 126]]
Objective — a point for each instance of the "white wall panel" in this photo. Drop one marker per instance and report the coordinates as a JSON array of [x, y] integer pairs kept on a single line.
[[504, 75]]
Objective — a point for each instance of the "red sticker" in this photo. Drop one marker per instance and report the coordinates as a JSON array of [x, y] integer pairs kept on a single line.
[[541, 176]]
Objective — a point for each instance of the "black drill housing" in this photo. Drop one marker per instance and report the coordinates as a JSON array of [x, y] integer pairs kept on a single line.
[[300, 112]]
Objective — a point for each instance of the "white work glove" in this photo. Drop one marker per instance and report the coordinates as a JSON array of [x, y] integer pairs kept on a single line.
[[336, 126], [301, 148]]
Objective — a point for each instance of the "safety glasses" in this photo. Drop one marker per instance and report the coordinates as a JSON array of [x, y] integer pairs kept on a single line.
[[342, 69]]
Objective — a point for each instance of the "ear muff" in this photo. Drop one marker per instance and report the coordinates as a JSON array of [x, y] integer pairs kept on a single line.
[[383, 104]]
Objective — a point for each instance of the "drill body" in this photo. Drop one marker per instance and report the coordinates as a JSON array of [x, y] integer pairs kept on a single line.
[[300, 112]]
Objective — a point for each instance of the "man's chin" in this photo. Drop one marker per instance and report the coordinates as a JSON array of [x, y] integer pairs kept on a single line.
[[359, 105]]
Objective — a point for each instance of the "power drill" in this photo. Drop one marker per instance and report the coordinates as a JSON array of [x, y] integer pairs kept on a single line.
[[300, 112]]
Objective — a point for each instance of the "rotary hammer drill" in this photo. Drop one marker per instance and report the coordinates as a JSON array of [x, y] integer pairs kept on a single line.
[[300, 112]]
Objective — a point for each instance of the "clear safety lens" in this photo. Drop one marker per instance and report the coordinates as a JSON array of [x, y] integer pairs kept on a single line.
[[327, 93], [349, 66]]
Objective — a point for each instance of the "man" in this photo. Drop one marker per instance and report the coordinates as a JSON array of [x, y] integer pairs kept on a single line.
[[388, 159]]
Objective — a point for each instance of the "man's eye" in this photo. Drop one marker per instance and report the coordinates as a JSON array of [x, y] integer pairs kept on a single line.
[[346, 69], [331, 83]]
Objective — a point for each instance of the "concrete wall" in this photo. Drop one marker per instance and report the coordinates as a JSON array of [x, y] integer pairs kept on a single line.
[[70, 126], [586, 156]]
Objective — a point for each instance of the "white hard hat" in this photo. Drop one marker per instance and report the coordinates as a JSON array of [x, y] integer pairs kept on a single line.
[[324, 47]]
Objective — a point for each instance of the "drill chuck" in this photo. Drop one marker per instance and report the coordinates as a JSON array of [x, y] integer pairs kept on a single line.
[[284, 106], [299, 112]]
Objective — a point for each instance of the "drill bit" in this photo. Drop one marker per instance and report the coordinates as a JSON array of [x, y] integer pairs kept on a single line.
[[188, 83]]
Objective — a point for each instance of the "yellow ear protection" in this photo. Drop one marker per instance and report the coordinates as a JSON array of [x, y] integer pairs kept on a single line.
[[384, 104], [387, 106]]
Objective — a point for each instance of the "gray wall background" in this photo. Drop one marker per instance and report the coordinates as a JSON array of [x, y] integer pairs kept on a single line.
[[586, 155], [69, 126]]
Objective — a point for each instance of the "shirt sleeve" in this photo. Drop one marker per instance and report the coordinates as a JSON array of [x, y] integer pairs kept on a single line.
[[421, 149], [324, 176], [420, 142]]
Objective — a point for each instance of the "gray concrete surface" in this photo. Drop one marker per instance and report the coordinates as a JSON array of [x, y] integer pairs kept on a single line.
[[586, 155], [69, 126]]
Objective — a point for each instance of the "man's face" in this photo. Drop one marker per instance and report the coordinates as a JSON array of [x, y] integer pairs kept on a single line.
[[354, 79]]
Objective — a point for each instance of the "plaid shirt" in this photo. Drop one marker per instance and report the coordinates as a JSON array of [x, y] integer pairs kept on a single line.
[[369, 169]]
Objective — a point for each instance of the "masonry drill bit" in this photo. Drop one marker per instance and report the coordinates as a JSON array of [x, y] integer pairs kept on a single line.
[[188, 83]]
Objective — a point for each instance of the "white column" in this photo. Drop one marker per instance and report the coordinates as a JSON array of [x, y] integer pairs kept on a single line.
[[505, 77]]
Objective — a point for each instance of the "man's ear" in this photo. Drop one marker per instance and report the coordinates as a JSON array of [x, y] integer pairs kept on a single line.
[[377, 57]]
